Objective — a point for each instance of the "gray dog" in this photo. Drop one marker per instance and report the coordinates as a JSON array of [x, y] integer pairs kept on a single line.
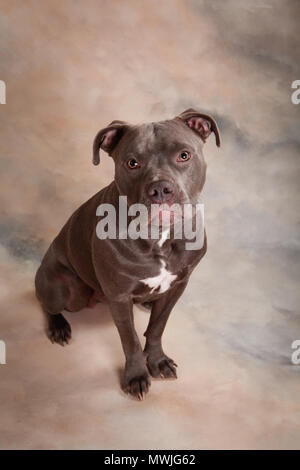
[[156, 163]]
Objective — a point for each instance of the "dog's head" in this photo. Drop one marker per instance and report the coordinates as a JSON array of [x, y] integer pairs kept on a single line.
[[160, 162]]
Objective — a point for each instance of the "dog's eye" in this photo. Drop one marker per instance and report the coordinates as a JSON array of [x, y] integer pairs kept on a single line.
[[133, 164], [184, 157]]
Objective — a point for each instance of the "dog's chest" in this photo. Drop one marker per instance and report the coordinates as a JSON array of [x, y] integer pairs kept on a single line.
[[162, 281]]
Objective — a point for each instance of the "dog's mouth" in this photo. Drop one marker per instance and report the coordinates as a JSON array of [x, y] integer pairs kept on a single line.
[[164, 214]]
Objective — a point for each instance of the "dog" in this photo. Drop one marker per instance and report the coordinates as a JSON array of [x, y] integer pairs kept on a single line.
[[155, 163]]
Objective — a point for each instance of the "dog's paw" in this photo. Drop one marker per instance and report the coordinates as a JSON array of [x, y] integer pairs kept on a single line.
[[163, 367], [59, 330], [137, 385]]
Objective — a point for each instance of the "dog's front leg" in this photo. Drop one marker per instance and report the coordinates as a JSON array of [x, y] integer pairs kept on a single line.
[[159, 364], [136, 378]]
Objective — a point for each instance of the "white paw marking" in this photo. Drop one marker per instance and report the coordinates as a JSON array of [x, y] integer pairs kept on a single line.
[[162, 281]]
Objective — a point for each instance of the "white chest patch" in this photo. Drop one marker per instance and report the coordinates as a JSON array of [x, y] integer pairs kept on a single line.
[[162, 281], [163, 238]]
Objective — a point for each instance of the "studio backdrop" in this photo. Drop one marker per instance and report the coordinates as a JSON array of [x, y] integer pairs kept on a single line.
[[68, 69]]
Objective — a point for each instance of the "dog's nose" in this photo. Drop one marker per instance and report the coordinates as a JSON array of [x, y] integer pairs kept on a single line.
[[161, 191]]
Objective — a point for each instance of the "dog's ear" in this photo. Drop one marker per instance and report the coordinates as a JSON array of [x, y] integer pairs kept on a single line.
[[108, 138], [201, 123]]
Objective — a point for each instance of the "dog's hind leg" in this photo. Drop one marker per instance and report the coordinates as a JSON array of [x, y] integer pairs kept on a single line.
[[57, 289], [53, 296]]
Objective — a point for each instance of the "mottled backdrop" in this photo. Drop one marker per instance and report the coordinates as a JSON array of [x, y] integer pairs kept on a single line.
[[70, 68]]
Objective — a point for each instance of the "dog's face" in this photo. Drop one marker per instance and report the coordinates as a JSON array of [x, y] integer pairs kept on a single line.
[[160, 162]]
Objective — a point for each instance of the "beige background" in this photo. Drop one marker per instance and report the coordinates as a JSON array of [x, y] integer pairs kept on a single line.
[[70, 68]]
